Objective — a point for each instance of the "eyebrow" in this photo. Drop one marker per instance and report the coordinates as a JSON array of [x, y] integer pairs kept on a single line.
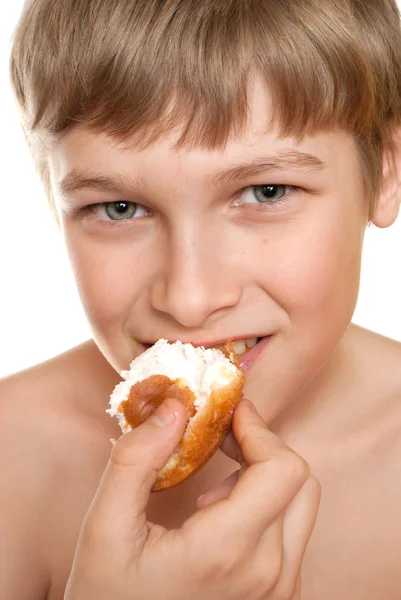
[[78, 179], [293, 160]]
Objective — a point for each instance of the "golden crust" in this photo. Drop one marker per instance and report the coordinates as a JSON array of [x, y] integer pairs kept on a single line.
[[206, 426], [204, 434]]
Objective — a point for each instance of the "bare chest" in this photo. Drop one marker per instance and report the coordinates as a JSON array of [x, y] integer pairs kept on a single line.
[[355, 549]]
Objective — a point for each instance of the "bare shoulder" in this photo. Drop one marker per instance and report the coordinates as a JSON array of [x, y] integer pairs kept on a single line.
[[55, 401], [359, 517], [379, 359], [49, 416], [378, 394], [70, 385], [79, 369]]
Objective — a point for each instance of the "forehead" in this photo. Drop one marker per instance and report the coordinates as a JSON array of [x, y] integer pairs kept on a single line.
[[85, 150]]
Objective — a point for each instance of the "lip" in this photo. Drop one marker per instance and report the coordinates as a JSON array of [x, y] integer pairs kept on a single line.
[[222, 341], [249, 359], [246, 362], [210, 344]]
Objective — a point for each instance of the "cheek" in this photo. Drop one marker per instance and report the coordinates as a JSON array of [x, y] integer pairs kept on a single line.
[[109, 277], [316, 268], [312, 274]]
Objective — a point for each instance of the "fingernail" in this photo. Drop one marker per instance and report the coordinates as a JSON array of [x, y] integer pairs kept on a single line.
[[163, 416]]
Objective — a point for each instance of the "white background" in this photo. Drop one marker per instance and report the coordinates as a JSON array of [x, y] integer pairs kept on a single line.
[[40, 313]]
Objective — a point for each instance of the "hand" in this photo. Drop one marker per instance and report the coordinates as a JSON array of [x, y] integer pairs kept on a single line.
[[246, 543], [296, 528]]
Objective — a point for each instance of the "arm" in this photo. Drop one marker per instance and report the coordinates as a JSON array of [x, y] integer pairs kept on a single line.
[[22, 572]]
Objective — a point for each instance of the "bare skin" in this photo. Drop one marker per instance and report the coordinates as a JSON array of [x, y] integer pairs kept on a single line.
[[288, 266], [55, 445]]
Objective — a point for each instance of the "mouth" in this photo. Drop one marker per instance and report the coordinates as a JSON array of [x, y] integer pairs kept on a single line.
[[240, 347], [246, 350], [249, 358]]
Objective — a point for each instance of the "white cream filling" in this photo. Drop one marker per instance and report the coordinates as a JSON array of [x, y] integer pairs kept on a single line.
[[200, 369]]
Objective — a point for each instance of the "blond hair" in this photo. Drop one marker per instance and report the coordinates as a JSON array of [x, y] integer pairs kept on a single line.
[[136, 69]]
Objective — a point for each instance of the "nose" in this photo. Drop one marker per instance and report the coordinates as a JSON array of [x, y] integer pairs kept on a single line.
[[197, 280]]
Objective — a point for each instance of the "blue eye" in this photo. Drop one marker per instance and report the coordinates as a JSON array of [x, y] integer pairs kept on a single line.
[[269, 194], [120, 211]]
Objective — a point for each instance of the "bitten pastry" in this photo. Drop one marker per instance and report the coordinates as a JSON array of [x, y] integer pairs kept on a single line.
[[209, 384]]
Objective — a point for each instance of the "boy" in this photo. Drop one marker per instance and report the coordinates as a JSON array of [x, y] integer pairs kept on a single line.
[[213, 167]]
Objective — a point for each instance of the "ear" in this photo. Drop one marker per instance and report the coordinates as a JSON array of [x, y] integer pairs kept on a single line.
[[388, 205]]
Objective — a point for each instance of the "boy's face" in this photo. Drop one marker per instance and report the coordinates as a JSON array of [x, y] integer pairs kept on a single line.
[[194, 251]]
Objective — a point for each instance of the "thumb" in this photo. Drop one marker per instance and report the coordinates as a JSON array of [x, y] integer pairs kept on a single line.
[[251, 440], [118, 510]]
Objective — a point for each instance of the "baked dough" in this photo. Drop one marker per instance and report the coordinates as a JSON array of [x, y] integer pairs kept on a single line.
[[207, 382]]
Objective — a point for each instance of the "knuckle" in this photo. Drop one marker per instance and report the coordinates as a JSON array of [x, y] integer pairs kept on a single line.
[[96, 527], [294, 466], [124, 457], [225, 564], [94, 535], [223, 558], [228, 562], [123, 453], [252, 438], [244, 440]]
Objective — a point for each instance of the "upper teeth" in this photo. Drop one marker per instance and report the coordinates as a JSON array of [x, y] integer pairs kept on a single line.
[[240, 346]]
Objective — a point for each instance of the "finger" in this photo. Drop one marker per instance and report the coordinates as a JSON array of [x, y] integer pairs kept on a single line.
[[278, 555], [219, 493], [232, 449], [253, 447], [118, 510], [267, 559], [277, 558], [274, 476], [245, 414], [299, 521], [263, 492]]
